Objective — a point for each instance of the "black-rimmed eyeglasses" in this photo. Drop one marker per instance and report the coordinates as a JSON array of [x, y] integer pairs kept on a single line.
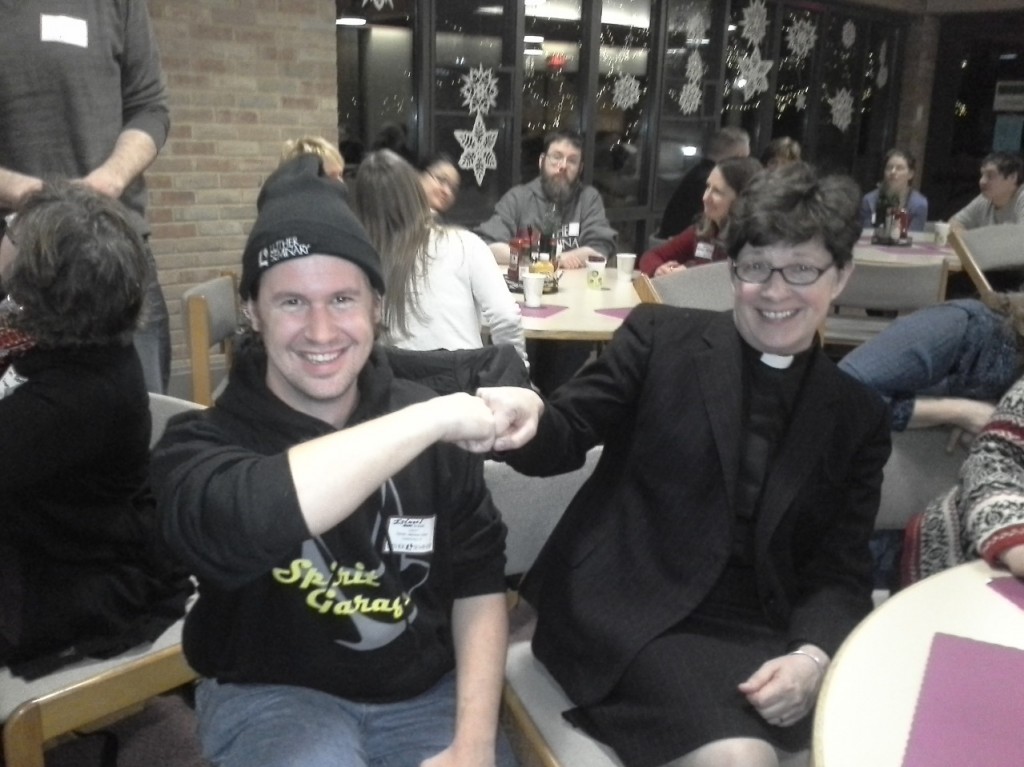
[[758, 272], [447, 183]]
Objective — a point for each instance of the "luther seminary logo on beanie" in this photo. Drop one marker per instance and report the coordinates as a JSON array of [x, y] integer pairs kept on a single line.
[[301, 212], [289, 247]]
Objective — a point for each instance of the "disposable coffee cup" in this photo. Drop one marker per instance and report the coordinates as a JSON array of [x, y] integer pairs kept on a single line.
[[595, 271], [625, 262], [941, 232], [533, 288]]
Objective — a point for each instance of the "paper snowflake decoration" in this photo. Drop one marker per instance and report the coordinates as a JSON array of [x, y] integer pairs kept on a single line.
[[379, 4], [849, 34], [755, 22], [477, 149], [696, 25], [753, 74], [842, 108], [800, 101], [800, 39], [480, 90], [689, 98], [626, 93], [695, 67]]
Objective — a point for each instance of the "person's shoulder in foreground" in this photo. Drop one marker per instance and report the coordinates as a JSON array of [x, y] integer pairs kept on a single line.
[[80, 539]]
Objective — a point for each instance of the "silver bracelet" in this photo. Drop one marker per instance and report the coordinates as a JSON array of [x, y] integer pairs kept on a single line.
[[818, 663]]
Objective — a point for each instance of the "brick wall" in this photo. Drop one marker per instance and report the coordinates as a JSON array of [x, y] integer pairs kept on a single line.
[[242, 76]]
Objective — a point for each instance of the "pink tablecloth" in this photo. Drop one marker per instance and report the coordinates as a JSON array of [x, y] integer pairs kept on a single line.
[[540, 312], [619, 314], [970, 709]]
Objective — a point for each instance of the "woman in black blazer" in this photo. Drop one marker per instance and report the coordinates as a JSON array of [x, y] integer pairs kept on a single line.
[[691, 597]]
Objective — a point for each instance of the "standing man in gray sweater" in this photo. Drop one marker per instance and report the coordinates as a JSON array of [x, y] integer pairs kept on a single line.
[[82, 97]]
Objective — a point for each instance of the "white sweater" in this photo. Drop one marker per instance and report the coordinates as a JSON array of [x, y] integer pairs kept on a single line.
[[463, 291]]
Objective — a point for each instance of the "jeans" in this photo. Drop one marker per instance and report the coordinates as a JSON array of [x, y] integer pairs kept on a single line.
[[956, 349], [153, 336], [245, 725]]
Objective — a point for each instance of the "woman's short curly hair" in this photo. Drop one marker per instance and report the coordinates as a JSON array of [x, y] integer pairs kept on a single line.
[[792, 204], [79, 270]]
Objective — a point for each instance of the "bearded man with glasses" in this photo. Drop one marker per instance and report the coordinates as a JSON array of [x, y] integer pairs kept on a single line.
[[556, 198], [692, 595]]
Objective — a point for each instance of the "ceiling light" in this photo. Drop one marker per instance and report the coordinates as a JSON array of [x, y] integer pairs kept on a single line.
[[349, 21], [533, 38], [534, 51]]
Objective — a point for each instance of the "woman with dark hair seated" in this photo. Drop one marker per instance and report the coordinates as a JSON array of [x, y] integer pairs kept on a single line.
[[699, 244], [895, 190], [81, 572], [691, 597], [440, 179]]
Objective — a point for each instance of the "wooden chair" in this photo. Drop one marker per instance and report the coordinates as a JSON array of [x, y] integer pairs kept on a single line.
[[990, 248], [892, 288], [532, 702], [210, 311], [645, 290], [92, 692]]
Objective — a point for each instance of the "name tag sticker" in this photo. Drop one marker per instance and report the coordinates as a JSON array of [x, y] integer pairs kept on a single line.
[[705, 250], [10, 381], [410, 535], [64, 29]]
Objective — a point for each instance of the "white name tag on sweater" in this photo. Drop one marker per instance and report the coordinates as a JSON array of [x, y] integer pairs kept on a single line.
[[64, 29], [705, 250], [410, 535]]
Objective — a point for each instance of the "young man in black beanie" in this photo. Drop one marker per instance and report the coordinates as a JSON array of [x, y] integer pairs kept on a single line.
[[350, 559]]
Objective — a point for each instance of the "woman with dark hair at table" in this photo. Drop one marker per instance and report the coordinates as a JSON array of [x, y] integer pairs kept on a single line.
[[440, 179], [895, 190], [80, 563], [699, 243], [443, 285], [691, 597]]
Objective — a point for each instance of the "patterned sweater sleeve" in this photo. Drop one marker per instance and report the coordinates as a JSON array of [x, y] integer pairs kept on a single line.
[[992, 477]]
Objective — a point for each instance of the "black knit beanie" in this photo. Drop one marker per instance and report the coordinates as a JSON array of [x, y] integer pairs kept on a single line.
[[303, 213]]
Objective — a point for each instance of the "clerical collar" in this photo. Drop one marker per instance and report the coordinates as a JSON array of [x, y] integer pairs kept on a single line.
[[777, 361]]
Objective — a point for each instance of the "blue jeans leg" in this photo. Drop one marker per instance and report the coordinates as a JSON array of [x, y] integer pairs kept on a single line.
[[153, 336], [241, 725], [405, 734], [914, 355]]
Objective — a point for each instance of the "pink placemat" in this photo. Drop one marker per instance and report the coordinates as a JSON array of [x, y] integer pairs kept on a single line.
[[970, 707], [1011, 588], [619, 314], [540, 312]]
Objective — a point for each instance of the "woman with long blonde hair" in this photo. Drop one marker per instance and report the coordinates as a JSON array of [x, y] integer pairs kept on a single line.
[[442, 283]]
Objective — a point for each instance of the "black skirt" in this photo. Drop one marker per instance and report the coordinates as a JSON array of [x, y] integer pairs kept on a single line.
[[679, 692]]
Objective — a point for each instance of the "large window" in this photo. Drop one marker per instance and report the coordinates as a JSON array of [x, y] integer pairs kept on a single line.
[[646, 82]]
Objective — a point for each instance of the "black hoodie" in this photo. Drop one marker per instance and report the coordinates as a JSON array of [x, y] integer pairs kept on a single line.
[[337, 612]]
